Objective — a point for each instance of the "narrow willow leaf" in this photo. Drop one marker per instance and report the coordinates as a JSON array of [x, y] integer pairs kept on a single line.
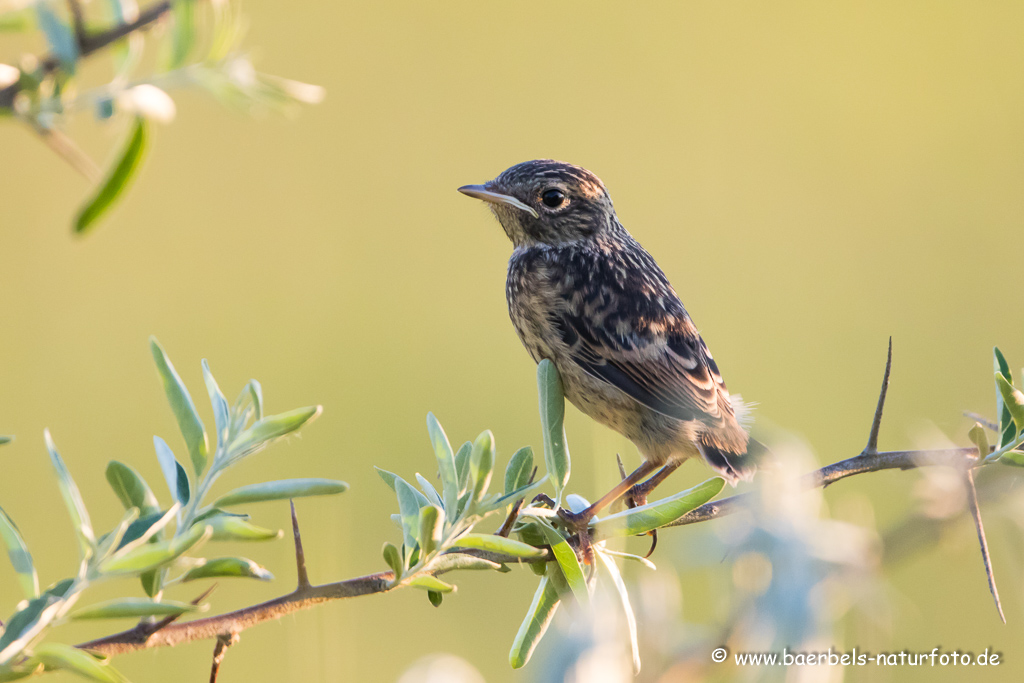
[[217, 512], [517, 473], [59, 36], [249, 404], [627, 608], [1013, 400], [146, 528], [221, 412], [269, 429], [68, 658], [230, 528], [72, 499], [640, 520], [387, 477], [168, 466], [429, 491], [552, 413], [133, 608], [394, 559], [227, 567], [21, 558], [183, 408], [5, 439], [538, 617], [445, 464], [498, 544], [183, 32], [431, 523], [458, 561], [431, 583], [131, 488], [409, 508], [1015, 458], [117, 179], [184, 492], [27, 623], [462, 467], [630, 556], [110, 542], [481, 464], [1007, 428], [149, 556], [282, 489], [569, 564], [979, 438]]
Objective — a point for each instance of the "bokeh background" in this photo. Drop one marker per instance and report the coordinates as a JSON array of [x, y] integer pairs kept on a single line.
[[813, 178]]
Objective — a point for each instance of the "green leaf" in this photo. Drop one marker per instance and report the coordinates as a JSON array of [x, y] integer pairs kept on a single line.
[[149, 556], [231, 528], [1013, 401], [462, 467], [538, 617], [409, 508], [174, 473], [183, 32], [68, 658], [282, 489], [429, 491], [21, 558], [394, 559], [132, 608], [435, 598], [72, 499], [640, 520], [59, 35], [449, 562], [1007, 428], [498, 544], [216, 512], [269, 429], [431, 583], [552, 413], [248, 404], [146, 528], [445, 464], [481, 464], [221, 412], [979, 438], [111, 541], [627, 608], [27, 623], [183, 408], [4, 439], [227, 567], [131, 488], [519, 469], [431, 523], [117, 179], [569, 564]]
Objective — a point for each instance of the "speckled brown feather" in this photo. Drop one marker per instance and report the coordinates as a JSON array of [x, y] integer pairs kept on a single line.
[[584, 294]]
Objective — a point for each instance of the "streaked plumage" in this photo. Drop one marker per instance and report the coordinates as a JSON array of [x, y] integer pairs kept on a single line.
[[584, 294]]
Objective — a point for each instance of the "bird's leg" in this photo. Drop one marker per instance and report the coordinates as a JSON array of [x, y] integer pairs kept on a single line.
[[637, 495], [579, 521]]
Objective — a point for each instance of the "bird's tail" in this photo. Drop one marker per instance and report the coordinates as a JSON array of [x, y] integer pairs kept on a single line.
[[733, 461]]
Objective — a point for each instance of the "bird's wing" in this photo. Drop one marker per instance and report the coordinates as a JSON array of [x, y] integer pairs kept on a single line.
[[663, 363]]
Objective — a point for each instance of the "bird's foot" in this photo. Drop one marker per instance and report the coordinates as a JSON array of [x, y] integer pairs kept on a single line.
[[578, 524], [637, 496]]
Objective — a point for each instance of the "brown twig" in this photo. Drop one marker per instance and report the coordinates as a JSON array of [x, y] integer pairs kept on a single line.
[[972, 502], [224, 641]]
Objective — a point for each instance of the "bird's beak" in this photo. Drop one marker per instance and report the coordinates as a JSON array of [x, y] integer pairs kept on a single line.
[[481, 192]]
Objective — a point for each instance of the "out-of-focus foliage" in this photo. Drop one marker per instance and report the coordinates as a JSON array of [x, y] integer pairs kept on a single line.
[[166, 46], [153, 543]]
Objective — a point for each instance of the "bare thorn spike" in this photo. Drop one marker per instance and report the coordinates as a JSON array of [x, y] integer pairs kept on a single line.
[[872, 447], [972, 497], [622, 468], [300, 556]]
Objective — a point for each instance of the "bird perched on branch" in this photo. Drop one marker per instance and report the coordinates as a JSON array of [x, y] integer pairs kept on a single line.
[[584, 294]]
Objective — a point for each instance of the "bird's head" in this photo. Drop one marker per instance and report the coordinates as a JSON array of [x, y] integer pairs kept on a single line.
[[547, 202]]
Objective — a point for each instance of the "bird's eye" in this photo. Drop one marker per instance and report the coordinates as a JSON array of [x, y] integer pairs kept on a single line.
[[553, 198]]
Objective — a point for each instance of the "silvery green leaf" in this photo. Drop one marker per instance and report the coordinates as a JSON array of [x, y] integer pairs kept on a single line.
[[110, 542], [146, 528], [27, 623], [221, 411], [390, 478], [58, 34], [231, 528], [459, 561], [1007, 427], [552, 413], [481, 464], [627, 608], [630, 556], [979, 438], [80, 662], [538, 617], [498, 544], [183, 32], [445, 464], [429, 491], [282, 489], [72, 499], [216, 512], [227, 567], [1013, 401], [519, 469], [131, 488], [640, 520], [431, 523], [462, 467], [409, 500], [431, 583], [183, 408], [21, 558], [132, 608], [168, 466], [569, 564], [269, 429], [394, 559], [5, 439], [148, 556]]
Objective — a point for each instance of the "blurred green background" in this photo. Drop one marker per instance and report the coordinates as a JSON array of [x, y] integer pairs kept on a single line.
[[813, 177]]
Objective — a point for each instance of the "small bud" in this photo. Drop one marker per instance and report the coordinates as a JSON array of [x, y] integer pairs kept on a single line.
[[149, 101]]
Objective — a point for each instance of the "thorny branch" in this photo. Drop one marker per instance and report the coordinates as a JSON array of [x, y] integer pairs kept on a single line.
[[229, 625]]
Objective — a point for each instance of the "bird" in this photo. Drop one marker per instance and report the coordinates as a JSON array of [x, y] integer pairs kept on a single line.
[[585, 295]]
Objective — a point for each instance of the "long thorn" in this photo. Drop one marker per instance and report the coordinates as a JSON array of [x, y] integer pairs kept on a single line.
[[972, 498], [622, 468], [876, 424], [510, 521], [300, 556]]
